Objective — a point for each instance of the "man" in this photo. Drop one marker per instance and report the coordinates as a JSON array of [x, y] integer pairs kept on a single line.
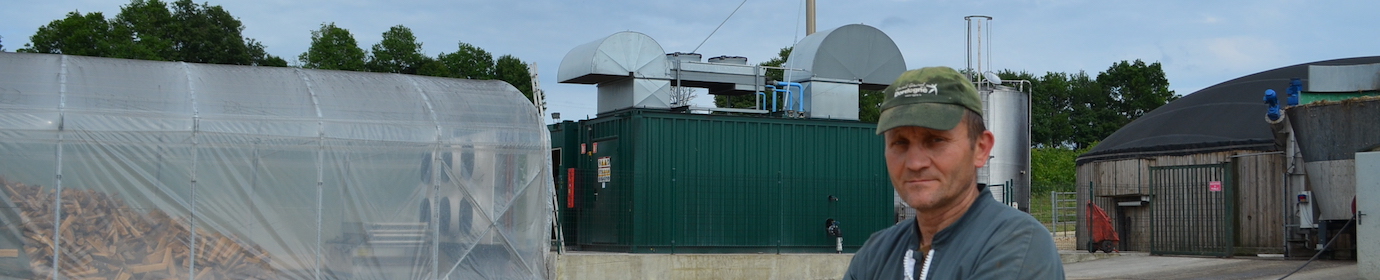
[[935, 142]]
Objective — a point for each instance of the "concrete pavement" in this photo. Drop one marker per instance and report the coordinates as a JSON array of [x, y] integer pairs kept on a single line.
[[1137, 265]]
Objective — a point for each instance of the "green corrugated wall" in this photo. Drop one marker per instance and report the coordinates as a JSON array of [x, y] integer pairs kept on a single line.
[[714, 183]]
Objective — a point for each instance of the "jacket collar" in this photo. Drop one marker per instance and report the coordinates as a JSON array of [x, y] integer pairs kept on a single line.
[[983, 200]]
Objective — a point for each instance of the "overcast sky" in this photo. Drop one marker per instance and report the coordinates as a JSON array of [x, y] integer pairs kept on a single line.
[[1200, 43]]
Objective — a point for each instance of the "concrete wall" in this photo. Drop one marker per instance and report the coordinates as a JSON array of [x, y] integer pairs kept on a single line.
[[581, 265]]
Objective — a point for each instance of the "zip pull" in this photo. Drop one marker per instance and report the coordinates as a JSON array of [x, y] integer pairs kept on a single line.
[[925, 270]]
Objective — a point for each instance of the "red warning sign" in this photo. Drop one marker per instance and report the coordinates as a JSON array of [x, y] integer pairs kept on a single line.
[[570, 188]]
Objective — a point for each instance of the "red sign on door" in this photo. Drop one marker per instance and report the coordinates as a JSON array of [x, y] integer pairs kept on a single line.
[[570, 188], [1215, 186]]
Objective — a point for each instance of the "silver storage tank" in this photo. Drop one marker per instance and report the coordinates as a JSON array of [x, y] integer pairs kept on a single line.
[[1007, 115]]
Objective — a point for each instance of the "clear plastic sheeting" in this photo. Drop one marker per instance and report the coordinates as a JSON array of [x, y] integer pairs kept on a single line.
[[127, 169]]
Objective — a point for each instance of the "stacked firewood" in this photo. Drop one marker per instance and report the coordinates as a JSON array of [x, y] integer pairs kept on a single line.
[[103, 238]]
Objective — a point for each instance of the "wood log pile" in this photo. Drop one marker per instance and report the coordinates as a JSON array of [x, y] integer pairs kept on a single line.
[[103, 238]]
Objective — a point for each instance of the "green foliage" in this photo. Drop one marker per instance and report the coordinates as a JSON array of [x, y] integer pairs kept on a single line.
[[333, 48], [512, 70], [261, 57], [869, 105], [398, 52], [468, 62], [750, 101], [153, 26], [1053, 169], [432, 67], [1066, 111], [1136, 87], [147, 29], [780, 59], [1076, 110], [77, 34], [206, 35]]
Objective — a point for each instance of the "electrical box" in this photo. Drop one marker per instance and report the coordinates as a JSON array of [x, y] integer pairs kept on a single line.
[[1305, 203]]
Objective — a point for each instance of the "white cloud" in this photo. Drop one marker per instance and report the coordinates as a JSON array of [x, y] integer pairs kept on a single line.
[[1208, 19], [1234, 54]]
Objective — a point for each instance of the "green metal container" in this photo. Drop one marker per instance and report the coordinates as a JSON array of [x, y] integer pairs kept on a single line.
[[675, 182]]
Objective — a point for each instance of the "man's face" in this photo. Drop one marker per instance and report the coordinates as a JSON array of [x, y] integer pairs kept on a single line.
[[931, 169]]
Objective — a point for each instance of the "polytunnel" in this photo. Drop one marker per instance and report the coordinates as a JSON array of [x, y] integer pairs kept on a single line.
[[197, 171]]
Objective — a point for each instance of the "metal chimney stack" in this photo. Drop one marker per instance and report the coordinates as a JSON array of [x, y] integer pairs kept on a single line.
[[809, 17], [978, 27]]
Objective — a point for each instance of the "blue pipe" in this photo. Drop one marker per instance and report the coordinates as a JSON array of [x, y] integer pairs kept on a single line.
[[1272, 104], [800, 101], [760, 95], [1295, 87], [773, 96]]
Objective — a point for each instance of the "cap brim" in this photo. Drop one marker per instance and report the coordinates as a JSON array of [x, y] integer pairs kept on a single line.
[[938, 116]]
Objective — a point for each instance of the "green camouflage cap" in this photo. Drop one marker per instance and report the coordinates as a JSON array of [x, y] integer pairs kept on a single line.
[[932, 97]]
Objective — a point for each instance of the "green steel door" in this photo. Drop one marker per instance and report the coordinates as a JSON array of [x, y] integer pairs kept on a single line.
[[1191, 210], [609, 199]]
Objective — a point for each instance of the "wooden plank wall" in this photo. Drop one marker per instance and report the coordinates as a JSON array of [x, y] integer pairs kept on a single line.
[[1260, 196], [1261, 203], [1126, 177]]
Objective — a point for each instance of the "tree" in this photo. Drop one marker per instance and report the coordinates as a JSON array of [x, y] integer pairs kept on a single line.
[[1069, 110], [1136, 87], [153, 28], [1054, 169], [432, 67], [333, 48], [147, 29], [512, 70], [870, 105], [1050, 106], [2, 45], [261, 57], [398, 52], [1076, 110], [750, 101], [77, 34], [208, 34], [468, 62], [681, 96]]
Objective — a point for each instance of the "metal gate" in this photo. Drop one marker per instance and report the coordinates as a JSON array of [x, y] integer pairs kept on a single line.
[[1064, 208], [1192, 210]]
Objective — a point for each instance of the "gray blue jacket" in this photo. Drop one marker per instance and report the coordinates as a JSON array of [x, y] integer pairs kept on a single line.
[[990, 241]]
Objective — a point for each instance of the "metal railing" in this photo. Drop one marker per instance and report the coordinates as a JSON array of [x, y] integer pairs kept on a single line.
[[1064, 208]]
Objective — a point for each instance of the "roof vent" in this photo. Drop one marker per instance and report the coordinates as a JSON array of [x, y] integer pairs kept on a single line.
[[729, 60], [680, 56]]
